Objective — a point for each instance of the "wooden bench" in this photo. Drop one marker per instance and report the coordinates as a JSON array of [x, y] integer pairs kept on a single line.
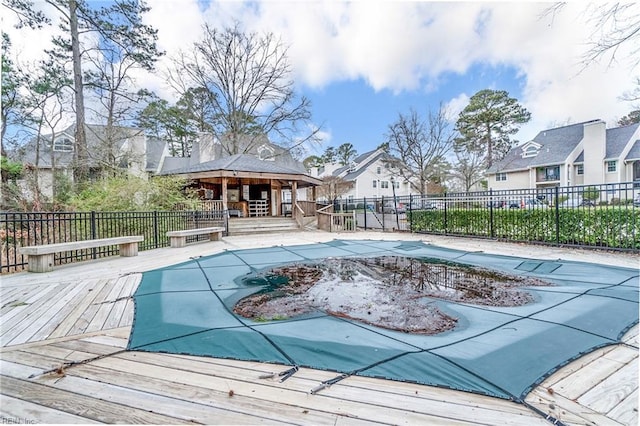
[[41, 258], [179, 238]]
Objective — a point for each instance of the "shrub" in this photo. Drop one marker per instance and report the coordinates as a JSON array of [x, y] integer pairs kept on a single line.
[[128, 193]]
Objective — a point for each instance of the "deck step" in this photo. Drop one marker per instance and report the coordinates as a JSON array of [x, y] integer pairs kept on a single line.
[[262, 225]]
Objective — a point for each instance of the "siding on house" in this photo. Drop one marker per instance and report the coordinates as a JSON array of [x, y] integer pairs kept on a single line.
[[561, 151], [366, 169]]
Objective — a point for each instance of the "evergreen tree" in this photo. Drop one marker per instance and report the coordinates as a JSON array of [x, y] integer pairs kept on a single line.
[[487, 123]]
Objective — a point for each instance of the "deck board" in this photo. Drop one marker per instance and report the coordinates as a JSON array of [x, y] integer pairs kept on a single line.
[[22, 411], [77, 404], [85, 310], [626, 412], [66, 326], [608, 393]]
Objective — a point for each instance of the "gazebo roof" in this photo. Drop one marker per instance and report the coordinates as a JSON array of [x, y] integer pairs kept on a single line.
[[245, 166]]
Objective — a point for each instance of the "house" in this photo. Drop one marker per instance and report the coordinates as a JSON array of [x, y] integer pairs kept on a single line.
[[370, 176], [578, 154], [258, 179], [118, 148]]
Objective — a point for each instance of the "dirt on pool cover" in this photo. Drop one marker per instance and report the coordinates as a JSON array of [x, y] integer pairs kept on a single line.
[[391, 292]]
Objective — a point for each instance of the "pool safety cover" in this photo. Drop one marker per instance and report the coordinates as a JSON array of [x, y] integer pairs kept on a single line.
[[498, 351]]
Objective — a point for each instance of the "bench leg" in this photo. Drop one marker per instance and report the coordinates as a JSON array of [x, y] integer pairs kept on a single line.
[[41, 262], [215, 236], [177, 242], [129, 249]]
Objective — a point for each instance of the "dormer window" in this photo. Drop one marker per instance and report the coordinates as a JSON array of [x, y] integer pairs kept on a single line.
[[63, 144], [266, 153], [530, 150]]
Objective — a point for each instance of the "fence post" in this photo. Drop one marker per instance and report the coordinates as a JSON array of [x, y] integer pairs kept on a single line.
[[445, 213], [156, 236], [382, 206], [409, 213], [492, 233], [366, 211], [94, 254], [555, 202]]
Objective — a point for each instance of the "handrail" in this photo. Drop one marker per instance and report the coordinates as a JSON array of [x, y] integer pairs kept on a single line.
[[298, 215], [325, 208]]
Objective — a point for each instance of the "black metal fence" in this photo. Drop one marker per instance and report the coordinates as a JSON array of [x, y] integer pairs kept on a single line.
[[598, 216], [25, 229]]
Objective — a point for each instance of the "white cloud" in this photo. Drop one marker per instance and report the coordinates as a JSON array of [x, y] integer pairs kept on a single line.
[[456, 105], [406, 46]]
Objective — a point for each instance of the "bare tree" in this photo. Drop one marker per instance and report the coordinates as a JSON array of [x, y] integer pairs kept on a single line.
[[633, 96], [118, 23], [417, 146], [117, 100], [333, 187], [613, 25], [468, 168], [250, 78], [44, 103]]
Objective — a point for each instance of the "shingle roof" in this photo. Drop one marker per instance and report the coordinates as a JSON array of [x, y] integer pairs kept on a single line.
[[634, 152], [239, 163], [556, 145], [96, 136], [362, 161], [618, 138]]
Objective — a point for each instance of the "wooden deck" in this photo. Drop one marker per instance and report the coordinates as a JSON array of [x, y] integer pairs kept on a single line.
[[84, 312]]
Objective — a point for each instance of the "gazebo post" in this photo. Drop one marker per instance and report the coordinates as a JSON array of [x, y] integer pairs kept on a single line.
[[225, 206], [294, 193]]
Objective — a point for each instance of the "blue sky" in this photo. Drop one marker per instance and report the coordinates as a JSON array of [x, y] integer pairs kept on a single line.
[[362, 63], [352, 111]]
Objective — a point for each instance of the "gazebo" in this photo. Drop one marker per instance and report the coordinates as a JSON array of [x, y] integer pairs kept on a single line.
[[247, 185]]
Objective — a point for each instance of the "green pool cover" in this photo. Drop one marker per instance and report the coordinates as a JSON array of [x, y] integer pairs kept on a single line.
[[499, 351]]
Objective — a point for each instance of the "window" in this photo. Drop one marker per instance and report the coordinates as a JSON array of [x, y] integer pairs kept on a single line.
[[266, 153], [63, 145], [530, 151], [501, 177], [552, 173], [375, 183], [396, 184], [580, 169], [612, 166], [378, 170], [384, 184]]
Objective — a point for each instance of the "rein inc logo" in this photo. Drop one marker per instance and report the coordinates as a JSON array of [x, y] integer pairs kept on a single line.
[[5, 420]]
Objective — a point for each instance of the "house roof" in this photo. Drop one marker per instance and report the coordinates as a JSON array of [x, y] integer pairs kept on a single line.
[[555, 146], [634, 152], [618, 138], [362, 161], [96, 135], [236, 163], [155, 148]]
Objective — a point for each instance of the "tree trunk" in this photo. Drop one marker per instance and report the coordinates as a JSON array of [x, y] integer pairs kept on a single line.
[[81, 169], [489, 147]]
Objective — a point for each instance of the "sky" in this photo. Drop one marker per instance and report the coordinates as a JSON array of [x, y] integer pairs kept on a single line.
[[363, 63]]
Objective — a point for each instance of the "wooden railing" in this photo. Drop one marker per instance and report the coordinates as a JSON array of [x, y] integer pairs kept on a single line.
[[201, 205], [336, 222], [298, 215], [308, 207]]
